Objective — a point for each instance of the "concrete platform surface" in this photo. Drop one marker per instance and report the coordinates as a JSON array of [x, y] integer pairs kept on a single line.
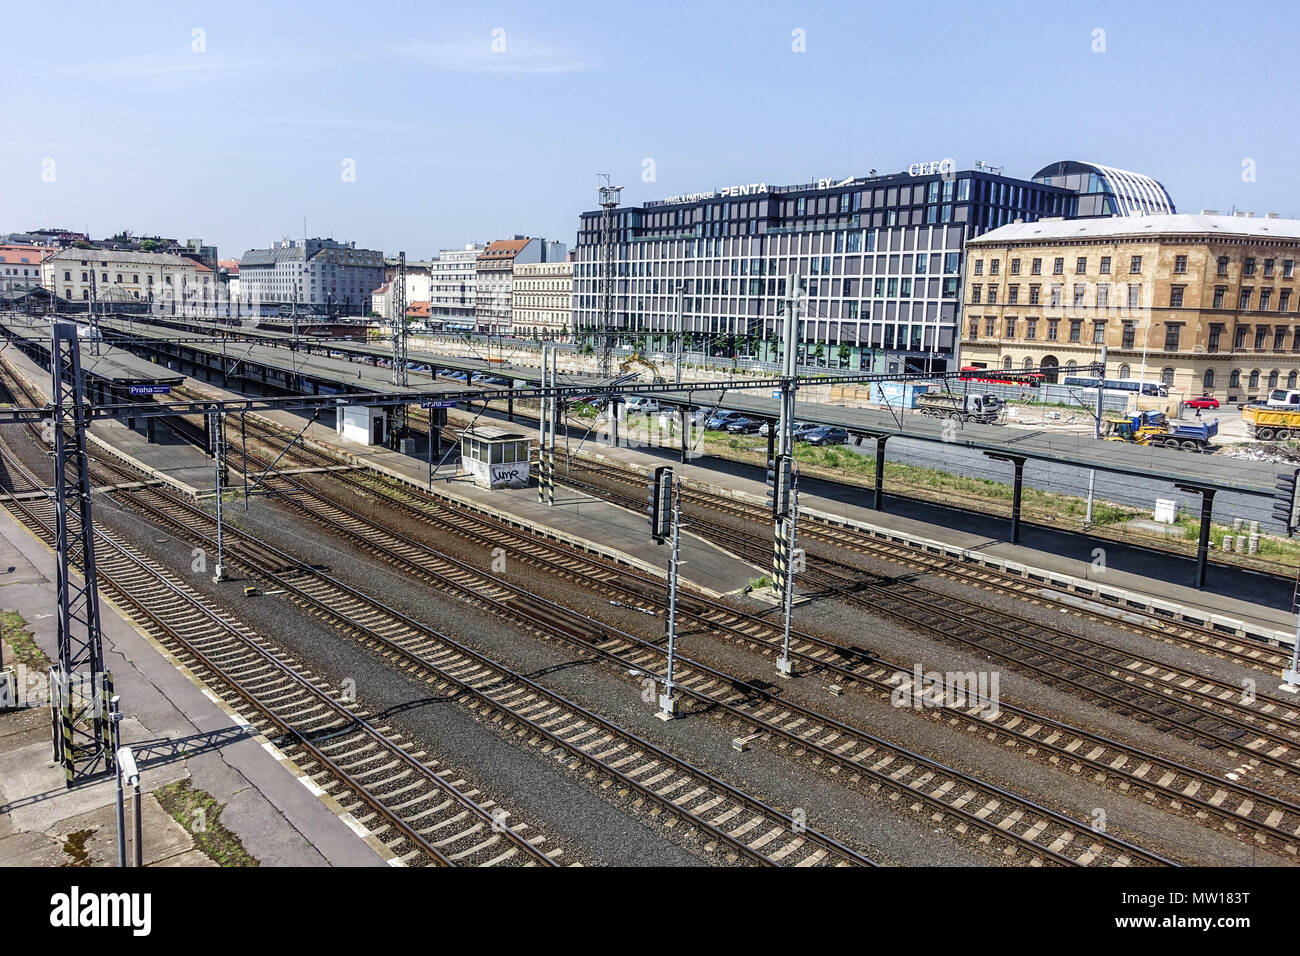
[[576, 518]]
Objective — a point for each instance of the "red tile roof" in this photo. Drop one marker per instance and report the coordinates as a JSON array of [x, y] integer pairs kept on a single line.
[[230, 265], [504, 248], [418, 309], [16, 255]]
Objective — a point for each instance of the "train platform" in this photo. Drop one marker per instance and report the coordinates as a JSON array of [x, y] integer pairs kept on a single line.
[[1080, 566], [576, 519], [151, 444], [178, 732]]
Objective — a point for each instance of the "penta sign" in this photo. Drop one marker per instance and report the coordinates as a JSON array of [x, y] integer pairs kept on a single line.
[[753, 189], [942, 166]]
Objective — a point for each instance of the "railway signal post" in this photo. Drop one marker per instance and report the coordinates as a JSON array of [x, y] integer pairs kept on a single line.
[[219, 457], [665, 512], [783, 665], [784, 446]]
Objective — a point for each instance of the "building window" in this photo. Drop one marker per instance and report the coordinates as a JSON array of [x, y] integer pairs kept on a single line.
[[1034, 292], [1052, 326], [1013, 295], [1244, 302], [1173, 332], [1290, 379], [1180, 265], [1288, 268], [993, 266], [1248, 267], [1268, 268], [1234, 378], [1261, 333], [1080, 290], [1125, 371], [979, 267], [1015, 267], [974, 328], [1126, 339], [993, 295], [1135, 264], [1103, 295], [1284, 300], [976, 294], [1105, 265], [1219, 292], [1167, 377], [1031, 329], [1009, 327], [1223, 265], [1215, 332], [1098, 333], [1056, 297], [1272, 379], [989, 326], [1080, 265], [1176, 296], [1239, 336], [1134, 295], [1207, 381], [1279, 338], [1036, 267], [1006, 362], [1265, 297], [1058, 267], [1076, 330]]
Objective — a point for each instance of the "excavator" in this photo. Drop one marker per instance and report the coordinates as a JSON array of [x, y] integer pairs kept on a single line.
[[637, 359]]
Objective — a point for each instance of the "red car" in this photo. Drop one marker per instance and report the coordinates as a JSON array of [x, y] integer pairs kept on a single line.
[[1205, 401]]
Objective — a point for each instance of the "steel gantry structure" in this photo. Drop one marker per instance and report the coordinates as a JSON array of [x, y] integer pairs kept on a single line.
[[609, 196], [401, 362], [80, 687]]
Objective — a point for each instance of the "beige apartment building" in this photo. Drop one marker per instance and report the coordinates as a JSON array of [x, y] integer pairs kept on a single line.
[[1205, 303], [122, 276], [541, 300]]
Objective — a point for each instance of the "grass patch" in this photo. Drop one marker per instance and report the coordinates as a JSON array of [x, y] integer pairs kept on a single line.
[[14, 630], [760, 583], [200, 814]]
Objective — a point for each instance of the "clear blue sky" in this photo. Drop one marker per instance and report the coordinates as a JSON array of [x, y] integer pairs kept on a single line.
[[452, 141]]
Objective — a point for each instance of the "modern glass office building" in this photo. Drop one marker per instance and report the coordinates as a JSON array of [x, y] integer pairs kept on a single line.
[[879, 259], [1107, 191]]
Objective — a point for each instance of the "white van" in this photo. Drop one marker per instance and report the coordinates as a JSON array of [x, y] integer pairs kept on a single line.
[[642, 405], [1284, 398]]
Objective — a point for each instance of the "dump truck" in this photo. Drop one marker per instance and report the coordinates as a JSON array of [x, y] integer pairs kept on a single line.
[[983, 408], [1271, 424], [1155, 428]]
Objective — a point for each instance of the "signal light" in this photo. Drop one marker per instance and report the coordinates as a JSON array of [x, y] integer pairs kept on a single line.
[[779, 479], [1286, 501], [661, 503]]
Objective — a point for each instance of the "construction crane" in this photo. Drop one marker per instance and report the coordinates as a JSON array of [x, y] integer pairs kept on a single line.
[[609, 196]]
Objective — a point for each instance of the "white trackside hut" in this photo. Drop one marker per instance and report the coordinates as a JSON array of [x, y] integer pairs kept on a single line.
[[495, 457]]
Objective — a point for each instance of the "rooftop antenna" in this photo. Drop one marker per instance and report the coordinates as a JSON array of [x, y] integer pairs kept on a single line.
[[609, 196]]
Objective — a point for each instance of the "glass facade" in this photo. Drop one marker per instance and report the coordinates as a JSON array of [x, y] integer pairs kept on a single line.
[[878, 260]]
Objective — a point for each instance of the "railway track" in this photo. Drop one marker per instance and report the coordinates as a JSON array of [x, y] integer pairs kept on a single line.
[[380, 780], [1267, 819], [1264, 728], [740, 826], [1214, 643], [1014, 824]]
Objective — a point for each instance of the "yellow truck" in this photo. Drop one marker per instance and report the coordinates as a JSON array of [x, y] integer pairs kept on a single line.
[[1271, 424]]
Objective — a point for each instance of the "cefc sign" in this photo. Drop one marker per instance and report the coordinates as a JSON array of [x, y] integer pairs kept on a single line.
[[943, 166]]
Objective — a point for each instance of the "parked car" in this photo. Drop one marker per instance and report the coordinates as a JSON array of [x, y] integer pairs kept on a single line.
[[721, 418], [1205, 401], [800, 429], [743, 425], [826, 435]]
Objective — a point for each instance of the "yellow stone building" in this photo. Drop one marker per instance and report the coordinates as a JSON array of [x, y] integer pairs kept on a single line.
[[1207, 304]]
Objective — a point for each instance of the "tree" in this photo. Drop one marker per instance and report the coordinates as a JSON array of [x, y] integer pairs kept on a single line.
[[844, 353], [150, 245], [819, 352]]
